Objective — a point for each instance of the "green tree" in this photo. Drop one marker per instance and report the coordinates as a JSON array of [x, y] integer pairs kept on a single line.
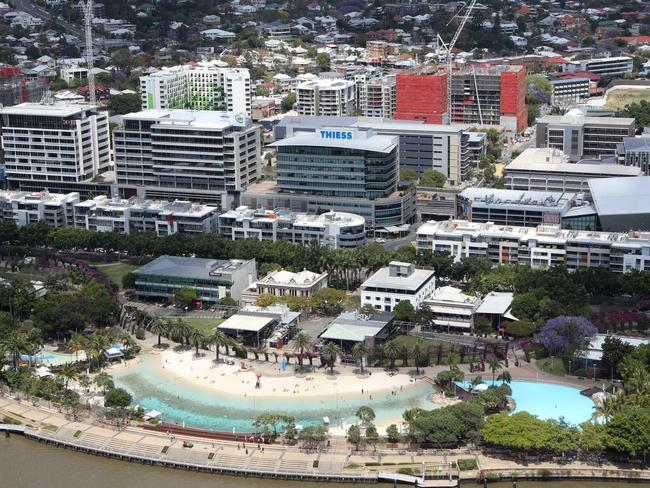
[[101, 305], [629, 432], [312, 437], [160, 327], [196, 338], [301, 342], [288, 102], [372, 436], [408, 174], [323, 61], [328, 300], [392, 433], [219, 339], [365, 415], [185, 296], [432, 179], [368, 310], [354, 436], [104, 381], [614, 350], [359, 353], [117, 397], [391, 351], [404, 311], [125, 104], [494, 364]]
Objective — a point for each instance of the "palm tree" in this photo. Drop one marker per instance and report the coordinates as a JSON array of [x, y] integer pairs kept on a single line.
[[219, 338], [104, 381], [452, 360], [16, 344], [160, 328], [359, 352], [418, 355], [97, 345], [181, 330], [605, 408], [495, 365], [68, 372], [505, 377], [301, 342], [476, 381], [391, 351], [77, 343], [128, 343], [331, 350], [196, 337]]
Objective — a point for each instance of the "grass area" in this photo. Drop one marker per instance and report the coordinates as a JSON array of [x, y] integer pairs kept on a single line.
[[115, 271], [11, 421], [410, 341], [624, 96], [205, 325], [552, 366]]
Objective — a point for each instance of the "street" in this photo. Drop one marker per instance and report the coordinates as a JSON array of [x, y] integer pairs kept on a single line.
[[36, 11]]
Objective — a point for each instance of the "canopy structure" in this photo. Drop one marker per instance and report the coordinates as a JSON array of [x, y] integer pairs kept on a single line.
[[42, 372], [355, 333], [152, 414], [247, 323], [113, 353]]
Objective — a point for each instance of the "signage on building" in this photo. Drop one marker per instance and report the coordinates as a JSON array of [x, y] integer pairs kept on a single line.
[[236, 119], [336, 134], [551, 218]]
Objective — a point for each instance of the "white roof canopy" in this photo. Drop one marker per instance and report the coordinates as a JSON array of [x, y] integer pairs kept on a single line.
[[247, 323]]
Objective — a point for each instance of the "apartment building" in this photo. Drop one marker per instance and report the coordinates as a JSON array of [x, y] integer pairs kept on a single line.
[[54, 143], [395, 283], [569, 91], [379, 98], [545, 169], [28, 208], [539, 247], [206, 85], [333, 229], [613, 66], [164, 218], [582, 136], [481, 96], [329, 97], [189, 155]]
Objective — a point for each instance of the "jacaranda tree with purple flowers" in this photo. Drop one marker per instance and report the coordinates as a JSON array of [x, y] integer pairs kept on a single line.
[[563, 335]]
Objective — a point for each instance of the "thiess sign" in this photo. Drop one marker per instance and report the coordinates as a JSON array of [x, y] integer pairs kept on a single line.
[[335, 134]]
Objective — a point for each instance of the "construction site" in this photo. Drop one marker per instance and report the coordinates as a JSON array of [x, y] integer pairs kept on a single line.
[[15, 88]]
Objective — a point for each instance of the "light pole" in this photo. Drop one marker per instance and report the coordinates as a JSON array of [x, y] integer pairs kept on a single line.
[[570, 367]]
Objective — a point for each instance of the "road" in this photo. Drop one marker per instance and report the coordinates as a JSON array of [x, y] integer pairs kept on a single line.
[[36, 11]]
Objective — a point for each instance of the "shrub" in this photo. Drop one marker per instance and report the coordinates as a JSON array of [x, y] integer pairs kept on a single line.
[[139, 334], [467, 464], [9, 420], [408, 471], [544, 474]]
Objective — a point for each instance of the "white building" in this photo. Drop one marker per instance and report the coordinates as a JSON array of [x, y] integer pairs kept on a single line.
[[379, 98], [208, 85], [399, 281], [333, 229], [54, 143], [71, 73], [283, 283], [103, 214], [186, 154], [452, 309], [613, 66], [539, 247], [27, 208], [569, 91], [326, 97]]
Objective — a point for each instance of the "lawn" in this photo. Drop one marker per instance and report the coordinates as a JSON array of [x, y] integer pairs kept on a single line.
[[552, 366], [623, 96], [205, 325], [115, 271], [410, 341]]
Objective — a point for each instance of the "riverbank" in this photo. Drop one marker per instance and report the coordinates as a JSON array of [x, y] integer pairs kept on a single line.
[[337, 463]]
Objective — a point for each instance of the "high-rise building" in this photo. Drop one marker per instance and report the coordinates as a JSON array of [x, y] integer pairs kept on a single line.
[[480, 96], [202, 86], [46, 144], [330, 97], [380, 98], [191, 155], [612, 66]]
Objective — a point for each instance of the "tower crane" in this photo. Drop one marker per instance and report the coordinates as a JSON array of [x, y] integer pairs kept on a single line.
[[87, 6], [448, 48]]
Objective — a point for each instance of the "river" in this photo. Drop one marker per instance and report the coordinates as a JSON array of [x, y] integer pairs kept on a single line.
[[27, 464]]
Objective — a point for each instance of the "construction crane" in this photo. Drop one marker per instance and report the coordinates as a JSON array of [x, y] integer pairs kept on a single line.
[[449, 47], [87, 6]]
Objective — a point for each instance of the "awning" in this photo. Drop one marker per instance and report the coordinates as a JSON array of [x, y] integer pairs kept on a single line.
[[246, 323], [508, 315], [355, 333]]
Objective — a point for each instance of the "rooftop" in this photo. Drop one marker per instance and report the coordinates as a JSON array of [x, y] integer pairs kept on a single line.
[[300, 219], [46, 110], [595, 348], [359, 141], [353, 326], [188, 267], [518, 198], [496, 302], [287, 278], [619, 196], [382, 278], [247, 323], [549, 160], [194, 118]]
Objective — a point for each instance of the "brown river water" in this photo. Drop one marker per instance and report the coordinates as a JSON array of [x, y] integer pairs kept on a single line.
[[27, 464]]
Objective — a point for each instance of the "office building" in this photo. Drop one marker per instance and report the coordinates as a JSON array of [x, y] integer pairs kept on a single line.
[[481, 96], [334, 229], [395, 283], [206, 85], [569, 91], [189, 155], [163, 218], [614, 66], [444, 148], [513, 207], [28, 208], [212, 279], [328, 97], [57, 143], [539, 247], [582, 136], [547, 169], [635, 152]]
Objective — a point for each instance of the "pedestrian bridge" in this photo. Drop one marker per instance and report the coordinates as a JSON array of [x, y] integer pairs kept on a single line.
[[417, 481], [18, 429]]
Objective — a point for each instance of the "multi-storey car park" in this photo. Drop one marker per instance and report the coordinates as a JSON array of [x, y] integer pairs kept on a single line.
[[542, 247]]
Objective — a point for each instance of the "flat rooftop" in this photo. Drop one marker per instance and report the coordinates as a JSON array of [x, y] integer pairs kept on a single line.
[[375, 143], [518, 198], [382, 279], [547, 160], [621, 196], [46, 110], [187, 267]]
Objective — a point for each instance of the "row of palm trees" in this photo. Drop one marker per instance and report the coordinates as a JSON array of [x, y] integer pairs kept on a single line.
[[182, 332], [97, 343], [17, 344]]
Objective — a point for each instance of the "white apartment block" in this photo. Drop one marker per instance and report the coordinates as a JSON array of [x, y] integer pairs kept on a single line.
[[333, 98], [569, 91], [189, 155], [164, 218], [613, 66], [380, 98], [27, 208], [539, 247], [395, 283], [55, 143], [202, 86], [334, 229]]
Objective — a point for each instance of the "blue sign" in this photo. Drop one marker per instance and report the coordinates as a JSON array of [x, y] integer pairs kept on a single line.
[[335, 134]]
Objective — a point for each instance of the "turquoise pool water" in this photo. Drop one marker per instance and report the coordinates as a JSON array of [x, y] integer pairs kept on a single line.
[[550, 401], [51, 358], [196, 406]]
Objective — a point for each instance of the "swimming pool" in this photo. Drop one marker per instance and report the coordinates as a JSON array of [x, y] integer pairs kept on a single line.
[[50, 358], [550, 401], [196, 406]]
